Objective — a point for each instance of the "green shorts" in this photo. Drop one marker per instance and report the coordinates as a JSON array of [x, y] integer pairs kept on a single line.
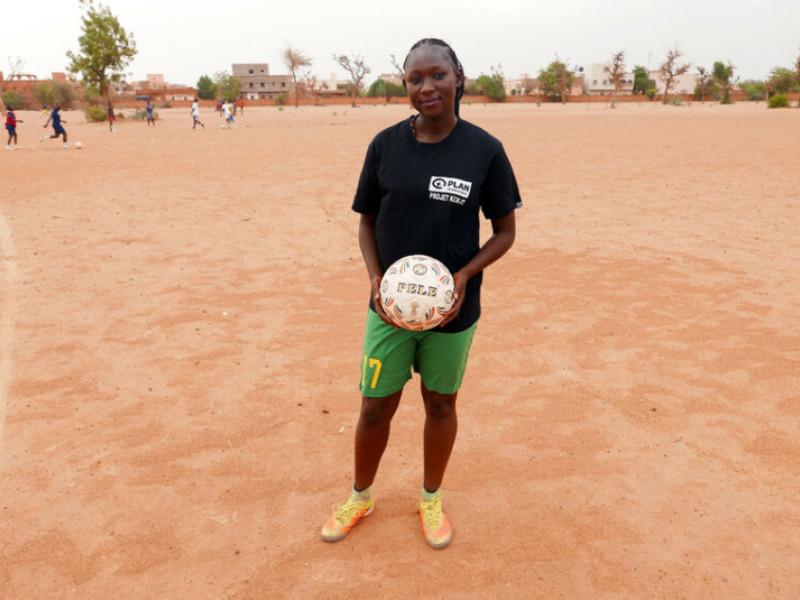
[[390, 353]]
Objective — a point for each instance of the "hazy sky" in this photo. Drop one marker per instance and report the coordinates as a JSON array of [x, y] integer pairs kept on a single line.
[[185, 39]]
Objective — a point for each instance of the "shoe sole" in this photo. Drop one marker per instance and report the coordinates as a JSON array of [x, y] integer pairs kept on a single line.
[[343, 535]]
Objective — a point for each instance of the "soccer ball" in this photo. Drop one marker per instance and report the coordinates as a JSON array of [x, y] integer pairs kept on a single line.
[[78, 145], [417, 292]]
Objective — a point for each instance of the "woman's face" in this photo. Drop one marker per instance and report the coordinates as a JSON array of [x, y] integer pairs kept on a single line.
[[431, 81]]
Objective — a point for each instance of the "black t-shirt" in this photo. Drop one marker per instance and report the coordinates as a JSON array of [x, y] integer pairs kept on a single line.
[[427, 198]]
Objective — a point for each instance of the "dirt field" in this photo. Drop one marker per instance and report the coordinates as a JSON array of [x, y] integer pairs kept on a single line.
[[181, 322]]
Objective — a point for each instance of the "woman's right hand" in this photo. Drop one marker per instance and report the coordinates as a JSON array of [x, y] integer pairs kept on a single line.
[[376, 300]]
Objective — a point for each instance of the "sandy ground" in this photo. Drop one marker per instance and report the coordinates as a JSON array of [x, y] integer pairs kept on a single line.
[[181, 323]]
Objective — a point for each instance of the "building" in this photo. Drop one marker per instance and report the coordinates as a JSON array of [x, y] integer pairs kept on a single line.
[[597, 81], [24, 84], [156, 81], [258, 83], [683, 84], [333, 86], [393, 78]]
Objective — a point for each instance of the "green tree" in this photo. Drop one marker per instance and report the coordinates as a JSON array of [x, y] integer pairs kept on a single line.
[[385, 89], [106, 49], [56, 92], [493, 85], [227, 86], [641, 80], [556, 80], [14, 100], [723, 76], [206, 89], [294, 60], [754, 89], [782, 80]]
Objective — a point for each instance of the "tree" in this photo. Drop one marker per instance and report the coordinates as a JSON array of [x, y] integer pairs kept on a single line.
[[56, 92], [723, 76], [206, 89], [294, 60], [493, 85], [616, 70], [701, 81], [106, 49], [641, 80], [385, 89], [556, 80], [311, 84], [753, 88], [782, 80], [670, 69], [355, 67], [228, 87], [15, 67]]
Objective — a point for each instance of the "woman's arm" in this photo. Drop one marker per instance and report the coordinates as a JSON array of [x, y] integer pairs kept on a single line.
[[504, 231], [369, 250]]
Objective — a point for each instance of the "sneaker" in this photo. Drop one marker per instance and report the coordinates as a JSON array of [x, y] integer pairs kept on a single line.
[[346, 515], [435, 525], [9, 148], [66, 146]]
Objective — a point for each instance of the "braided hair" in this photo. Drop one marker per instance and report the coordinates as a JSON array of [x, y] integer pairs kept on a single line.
[[457, 68]]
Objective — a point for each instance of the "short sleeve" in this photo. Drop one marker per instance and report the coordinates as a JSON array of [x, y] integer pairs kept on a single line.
[[499, 192], [368, 193]]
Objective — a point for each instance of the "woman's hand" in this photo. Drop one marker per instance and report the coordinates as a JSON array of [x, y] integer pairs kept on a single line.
[[459, 292], [376, 299]]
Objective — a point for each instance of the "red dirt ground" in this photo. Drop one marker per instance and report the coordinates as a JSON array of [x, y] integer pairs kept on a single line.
[[181, 322]]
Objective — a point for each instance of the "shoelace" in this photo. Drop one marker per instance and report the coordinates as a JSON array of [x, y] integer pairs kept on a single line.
[[345, 511], [432, 512]]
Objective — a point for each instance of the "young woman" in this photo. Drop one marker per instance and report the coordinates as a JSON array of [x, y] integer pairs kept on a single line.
[[58, 127], [11, 127], [406, 208]]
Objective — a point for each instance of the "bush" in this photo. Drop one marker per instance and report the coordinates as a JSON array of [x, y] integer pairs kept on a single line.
[[754, 89], [651, 93], [166, 104], [95, 114], [55, 92], [15, 100], [280, 99], [382, 89], [779, 101]]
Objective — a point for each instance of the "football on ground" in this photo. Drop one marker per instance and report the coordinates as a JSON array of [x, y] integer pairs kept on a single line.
[[417, 292]]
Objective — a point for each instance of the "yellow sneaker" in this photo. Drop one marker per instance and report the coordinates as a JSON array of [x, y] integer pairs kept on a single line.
[[435, 525], [346, 515]]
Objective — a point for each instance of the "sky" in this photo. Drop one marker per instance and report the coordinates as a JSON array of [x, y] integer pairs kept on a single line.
[[186, 39]]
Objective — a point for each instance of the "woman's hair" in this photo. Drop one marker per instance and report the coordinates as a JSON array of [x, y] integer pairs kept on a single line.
[[459, 70]]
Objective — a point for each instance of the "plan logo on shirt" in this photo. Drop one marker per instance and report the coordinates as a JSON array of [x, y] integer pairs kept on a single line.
[[449, 189]]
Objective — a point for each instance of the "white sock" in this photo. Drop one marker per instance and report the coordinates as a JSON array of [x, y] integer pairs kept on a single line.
[[363, 494]]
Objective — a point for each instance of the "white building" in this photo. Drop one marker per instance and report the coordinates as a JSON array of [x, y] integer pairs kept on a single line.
[[597, 81], [683, 84]]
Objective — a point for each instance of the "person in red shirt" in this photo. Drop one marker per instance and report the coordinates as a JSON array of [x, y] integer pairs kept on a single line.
[[11, 127]]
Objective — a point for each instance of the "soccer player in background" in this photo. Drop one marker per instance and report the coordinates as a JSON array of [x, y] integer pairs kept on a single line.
[[196, 115], [58, 127], [11, 127]]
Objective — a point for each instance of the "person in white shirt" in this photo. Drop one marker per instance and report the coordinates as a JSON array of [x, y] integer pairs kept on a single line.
[[196, 115], [227, 110]]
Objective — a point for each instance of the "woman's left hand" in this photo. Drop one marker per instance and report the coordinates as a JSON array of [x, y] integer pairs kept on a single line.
[[459, 292]]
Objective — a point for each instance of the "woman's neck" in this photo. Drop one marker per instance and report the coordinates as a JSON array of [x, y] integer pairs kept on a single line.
[[430, 130]]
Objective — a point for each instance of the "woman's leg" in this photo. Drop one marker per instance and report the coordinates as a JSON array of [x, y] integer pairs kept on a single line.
[[441, 425], [372, 434]]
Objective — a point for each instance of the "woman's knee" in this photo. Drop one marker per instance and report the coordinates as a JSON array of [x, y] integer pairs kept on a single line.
[[377, 411], [440, 406]]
